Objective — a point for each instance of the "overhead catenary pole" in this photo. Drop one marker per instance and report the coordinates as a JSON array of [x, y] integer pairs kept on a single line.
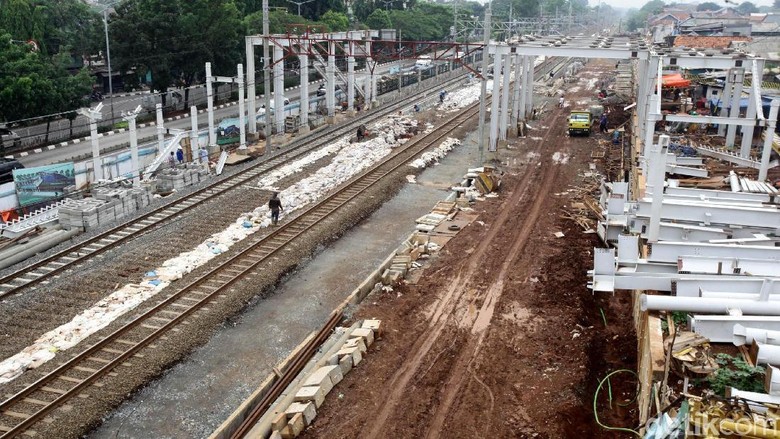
[[485, 64]]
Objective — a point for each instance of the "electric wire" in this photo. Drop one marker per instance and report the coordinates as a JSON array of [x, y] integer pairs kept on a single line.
[[596, 397]]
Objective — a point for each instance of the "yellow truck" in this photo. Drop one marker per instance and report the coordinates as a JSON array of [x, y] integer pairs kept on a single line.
[[580, 122]]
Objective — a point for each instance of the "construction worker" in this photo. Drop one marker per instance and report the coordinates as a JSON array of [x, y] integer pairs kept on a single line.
[[172, 160], [603, 123], [275, 204], [561, 100], [204, 156], [361, 133], [442, 94]]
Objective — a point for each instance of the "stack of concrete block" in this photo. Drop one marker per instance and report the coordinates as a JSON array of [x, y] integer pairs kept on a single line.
[[80, 214], [72, 192], [124, 201], [310, 397], [172, 179]]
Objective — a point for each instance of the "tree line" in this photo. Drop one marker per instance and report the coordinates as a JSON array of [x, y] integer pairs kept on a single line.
[[43, 41]]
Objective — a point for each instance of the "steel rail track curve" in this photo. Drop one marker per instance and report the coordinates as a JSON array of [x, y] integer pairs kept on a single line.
[[118, 347], [302, 358], [77, 254], [31, 404]]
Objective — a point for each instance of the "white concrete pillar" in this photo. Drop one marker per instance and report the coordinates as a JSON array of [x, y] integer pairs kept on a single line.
[[160, 129], [279, 88], [135, 164], [731, 131], [369, 86], [516, 99], [728, 90], [529, 86], [97, 164], [304, 101], [769, 132], [641, 99], [522, 85], [503, 119], [210, 103], [250, 85], [752, 110], [330, 80], [194, 133], [241, 109], [655, 179], [351, 76], [494, 103]]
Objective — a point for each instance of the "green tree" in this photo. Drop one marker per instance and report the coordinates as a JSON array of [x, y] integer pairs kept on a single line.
[[708, 6], [747, 8], [173, 39], [638, 19], [378, 19], [335, 21]]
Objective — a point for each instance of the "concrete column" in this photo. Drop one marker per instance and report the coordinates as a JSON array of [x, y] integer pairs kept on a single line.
[[503, 119], [731, 134], [194, 133], [279, 88], [771, 123], [369, 85], [529, 85], [747, 131], [519, 60], [655, 179], [250, 85], [351, 77], [241, 110], [330, 80], [134, 162], [304, 101], [494, 104], [728, 90], [523, 84], [210, 102], [97, 164], [160, 129], [641, 99]]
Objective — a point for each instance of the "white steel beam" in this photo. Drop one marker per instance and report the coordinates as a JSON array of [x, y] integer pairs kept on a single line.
[[667, 251], [718, 120], [709, 306], [769, 134], [241, 111], [518, 60], [719, 329], [210, 105], [578, 52], [250, 83], [494, 103], [709, 194], [728, 265], [739, 286], [754, 103], [193, 134], [709, 62], [712, 212], [351, 78], [304, 99], [655, 179], [739, 78], [746, 335]]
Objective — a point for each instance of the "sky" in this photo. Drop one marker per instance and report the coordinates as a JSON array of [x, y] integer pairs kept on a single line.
[[627, 4]]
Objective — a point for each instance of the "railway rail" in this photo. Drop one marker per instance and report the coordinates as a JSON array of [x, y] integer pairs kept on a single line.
[[77, 254], [76, 376]]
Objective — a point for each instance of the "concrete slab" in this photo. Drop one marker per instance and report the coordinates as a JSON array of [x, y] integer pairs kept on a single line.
[[320, 378], [297, 423], [354, 352], [345, 363], [366, 334], [374, 325], [311, 394], [356, 343], [307, 409]]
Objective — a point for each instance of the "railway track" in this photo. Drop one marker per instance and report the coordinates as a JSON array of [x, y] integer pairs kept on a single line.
[[73, 256], [78, 375]]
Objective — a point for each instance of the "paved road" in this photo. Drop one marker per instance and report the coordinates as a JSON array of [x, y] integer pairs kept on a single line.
[[67, 153]]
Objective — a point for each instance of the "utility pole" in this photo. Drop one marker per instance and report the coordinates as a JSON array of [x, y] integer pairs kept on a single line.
[[485, 64], [267, 80]]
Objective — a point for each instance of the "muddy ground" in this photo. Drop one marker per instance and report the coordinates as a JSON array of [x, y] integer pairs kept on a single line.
[[500, 337]]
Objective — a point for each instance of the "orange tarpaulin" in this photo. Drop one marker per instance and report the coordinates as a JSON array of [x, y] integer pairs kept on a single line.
[[674, 80]]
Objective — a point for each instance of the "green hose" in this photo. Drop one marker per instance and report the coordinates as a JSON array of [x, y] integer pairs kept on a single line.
[[596, 397]]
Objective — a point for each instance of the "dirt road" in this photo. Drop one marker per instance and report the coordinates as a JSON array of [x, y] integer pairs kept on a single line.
[[500, 337]]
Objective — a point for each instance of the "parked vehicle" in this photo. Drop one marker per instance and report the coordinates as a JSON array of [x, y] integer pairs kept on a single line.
[[6, 169], [423, 62], [580, 122]]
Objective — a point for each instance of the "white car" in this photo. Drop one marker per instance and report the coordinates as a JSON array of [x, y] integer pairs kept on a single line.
[[273, 102]]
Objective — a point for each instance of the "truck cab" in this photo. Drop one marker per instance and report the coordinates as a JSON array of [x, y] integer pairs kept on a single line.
[[580, 122]]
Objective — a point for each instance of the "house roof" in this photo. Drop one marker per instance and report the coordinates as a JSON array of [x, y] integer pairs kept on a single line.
[[707, 42]]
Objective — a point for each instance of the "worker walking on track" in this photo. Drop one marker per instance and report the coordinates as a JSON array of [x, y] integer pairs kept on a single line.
[[603, 123], [275, 204]]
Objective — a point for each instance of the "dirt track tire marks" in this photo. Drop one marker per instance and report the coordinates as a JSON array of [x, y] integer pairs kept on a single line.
[[443, 309]]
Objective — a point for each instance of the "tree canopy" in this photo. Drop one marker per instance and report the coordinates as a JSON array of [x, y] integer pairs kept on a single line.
[[708, 6], [747, 8]]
